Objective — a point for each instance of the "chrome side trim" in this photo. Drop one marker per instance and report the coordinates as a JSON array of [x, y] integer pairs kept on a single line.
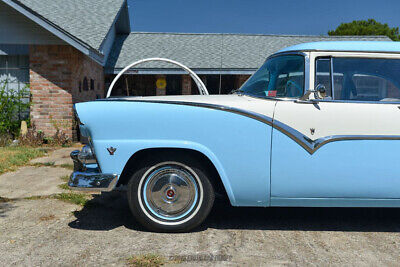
[[357, 101], [310, 145]]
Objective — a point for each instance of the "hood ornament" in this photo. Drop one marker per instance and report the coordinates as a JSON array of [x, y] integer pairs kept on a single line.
[[111, 150]]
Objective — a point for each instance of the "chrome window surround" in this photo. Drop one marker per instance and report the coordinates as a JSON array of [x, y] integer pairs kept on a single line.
[[315, 55]]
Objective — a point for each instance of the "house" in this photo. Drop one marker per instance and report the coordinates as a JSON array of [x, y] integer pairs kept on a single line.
[[69, 51]]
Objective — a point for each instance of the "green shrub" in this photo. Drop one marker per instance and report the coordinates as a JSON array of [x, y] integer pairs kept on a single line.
[[11, 102]]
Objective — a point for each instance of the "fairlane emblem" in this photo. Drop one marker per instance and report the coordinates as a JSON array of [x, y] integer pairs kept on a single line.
[[312, 130], [111, 150]]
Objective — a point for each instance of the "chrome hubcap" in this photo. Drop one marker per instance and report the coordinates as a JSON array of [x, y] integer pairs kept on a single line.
[[170, 192]]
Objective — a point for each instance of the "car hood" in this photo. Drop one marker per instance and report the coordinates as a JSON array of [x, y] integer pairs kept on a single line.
[[260, 106]]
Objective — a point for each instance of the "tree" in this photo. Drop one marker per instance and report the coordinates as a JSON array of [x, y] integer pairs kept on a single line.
[[366, 27]]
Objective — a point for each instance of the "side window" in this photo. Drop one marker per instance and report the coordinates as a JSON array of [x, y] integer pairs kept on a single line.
[[281, 76], [366, 79], [323, 74], [289, 75]]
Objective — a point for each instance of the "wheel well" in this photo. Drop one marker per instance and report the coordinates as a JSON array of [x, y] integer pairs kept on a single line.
[[136, 159]]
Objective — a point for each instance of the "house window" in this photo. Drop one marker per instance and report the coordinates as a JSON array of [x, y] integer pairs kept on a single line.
[[80, 86], [14, 76], [91, 84], [85, 84], [14, 70]]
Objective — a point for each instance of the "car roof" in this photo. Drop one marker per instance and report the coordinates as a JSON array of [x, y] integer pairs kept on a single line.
[[351, 46]]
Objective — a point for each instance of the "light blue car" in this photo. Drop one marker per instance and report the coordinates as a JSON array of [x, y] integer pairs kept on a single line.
[[316, 126]]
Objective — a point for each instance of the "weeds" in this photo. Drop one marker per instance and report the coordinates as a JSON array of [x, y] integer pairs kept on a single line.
[[147, 260], [37, 197], [37, 138], [44, 164], [60, 138], [74, 198], [32, 138], [67, 166], [47, 218], [70, 197], [64, 186], [65, 178], [4, 200]]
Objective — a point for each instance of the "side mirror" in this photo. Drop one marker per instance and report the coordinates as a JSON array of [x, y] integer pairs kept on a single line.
[[319, 93]]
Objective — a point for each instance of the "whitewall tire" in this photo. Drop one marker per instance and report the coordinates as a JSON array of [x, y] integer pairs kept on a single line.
[[170, 193]]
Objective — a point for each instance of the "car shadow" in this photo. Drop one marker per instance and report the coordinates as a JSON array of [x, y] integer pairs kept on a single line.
[[111, 210], [6, 205]]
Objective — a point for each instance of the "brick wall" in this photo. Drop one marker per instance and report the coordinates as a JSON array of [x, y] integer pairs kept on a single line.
[[57, 80], [240, 79], [186, 84]]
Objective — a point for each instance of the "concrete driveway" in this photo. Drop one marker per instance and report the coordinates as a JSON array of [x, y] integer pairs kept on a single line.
[[50, 232]]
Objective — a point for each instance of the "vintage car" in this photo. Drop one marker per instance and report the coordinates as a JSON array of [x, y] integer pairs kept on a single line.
[[316, 126]]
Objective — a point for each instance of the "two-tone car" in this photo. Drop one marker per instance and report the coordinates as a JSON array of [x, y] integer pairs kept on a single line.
[[316, 126]]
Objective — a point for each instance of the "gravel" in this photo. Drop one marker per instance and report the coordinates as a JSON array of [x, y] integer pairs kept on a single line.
[[50, 232]]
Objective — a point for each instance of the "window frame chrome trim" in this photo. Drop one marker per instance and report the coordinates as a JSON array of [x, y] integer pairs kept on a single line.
[[332, 79], [348, 54]]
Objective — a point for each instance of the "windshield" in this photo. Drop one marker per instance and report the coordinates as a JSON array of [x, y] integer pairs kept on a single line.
[[281, 76]]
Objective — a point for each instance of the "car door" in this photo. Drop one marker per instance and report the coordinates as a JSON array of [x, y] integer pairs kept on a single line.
[[344, 148]]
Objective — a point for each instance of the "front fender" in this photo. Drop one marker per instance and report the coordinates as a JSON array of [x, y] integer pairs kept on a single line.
[[238, 146], [127, 148]]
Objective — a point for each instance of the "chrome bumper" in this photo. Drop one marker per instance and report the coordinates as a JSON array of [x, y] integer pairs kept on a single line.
[[88, 177]]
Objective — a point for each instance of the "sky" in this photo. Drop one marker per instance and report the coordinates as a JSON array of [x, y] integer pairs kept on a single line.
[[308, 17]]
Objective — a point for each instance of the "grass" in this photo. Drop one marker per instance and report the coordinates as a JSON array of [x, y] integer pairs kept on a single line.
[[65, 179], [4, 200], [13, 157], [70, 197], [67, 166], [46, 164], [64, 186], [147, 260], [52, 164], [47, 218], [74, 198]]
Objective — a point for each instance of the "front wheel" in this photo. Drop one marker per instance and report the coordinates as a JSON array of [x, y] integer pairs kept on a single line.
[[170, 194]]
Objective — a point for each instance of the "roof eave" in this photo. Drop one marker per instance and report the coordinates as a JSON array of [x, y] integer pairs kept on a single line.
[[112, 24], [173, 71], [57, 31]]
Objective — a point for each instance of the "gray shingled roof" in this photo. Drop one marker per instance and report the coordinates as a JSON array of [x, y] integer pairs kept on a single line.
[[87, 20], [208, 51]]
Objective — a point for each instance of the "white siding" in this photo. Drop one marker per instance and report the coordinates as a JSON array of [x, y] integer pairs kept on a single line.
[[15, 28]]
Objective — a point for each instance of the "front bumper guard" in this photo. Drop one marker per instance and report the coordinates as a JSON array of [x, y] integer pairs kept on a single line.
[[89, 178]]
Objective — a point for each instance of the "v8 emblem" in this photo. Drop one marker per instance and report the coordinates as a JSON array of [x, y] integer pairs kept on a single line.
[[111, 150]]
